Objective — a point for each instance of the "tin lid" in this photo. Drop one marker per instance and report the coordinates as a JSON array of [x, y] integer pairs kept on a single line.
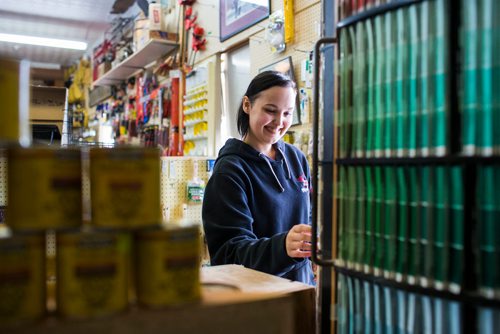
[[124, 152], [19, 152], [164, 231]]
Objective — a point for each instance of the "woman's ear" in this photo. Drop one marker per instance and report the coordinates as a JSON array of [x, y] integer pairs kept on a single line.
[[246, 104]]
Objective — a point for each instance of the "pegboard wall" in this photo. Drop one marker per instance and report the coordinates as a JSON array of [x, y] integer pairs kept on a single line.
[[3, 178], [86, 205], [307, 22], [175, 173], [306, 32], [304, 23]]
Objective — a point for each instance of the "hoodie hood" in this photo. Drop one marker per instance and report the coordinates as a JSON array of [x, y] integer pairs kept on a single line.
[[238, 147]]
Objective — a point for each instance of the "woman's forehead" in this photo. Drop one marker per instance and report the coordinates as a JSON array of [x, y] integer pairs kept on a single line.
[[276, 93]]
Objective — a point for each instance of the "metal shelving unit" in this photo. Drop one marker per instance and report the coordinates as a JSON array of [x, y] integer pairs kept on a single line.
[[469, 296], [153, 50]]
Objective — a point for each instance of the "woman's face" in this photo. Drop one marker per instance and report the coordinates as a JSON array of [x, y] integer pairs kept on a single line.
[[270, 116]]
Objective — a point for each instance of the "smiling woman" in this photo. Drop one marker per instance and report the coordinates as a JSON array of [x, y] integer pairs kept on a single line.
[[256, 206]]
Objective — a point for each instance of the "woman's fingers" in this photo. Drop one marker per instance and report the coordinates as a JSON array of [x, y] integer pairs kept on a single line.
[[298, 241], [299, 253]]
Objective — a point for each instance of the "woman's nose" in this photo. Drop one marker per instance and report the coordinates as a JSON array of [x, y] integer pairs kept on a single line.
[[279, 118]]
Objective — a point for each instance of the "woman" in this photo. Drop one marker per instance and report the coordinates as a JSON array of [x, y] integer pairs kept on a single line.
[[256, 207]]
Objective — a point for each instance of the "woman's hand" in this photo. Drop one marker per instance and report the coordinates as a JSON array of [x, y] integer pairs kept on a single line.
[[298, 241]]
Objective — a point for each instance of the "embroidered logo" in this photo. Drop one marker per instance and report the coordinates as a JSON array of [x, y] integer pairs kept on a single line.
[[305, 185]]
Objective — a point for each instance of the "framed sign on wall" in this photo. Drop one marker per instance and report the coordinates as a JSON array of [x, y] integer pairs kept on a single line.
[[238, 15]]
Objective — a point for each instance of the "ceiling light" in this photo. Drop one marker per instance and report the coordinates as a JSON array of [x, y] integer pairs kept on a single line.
[[50, 42], [45, 66]]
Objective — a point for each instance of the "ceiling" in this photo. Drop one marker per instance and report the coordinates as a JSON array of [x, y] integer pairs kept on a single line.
[[81, 20]]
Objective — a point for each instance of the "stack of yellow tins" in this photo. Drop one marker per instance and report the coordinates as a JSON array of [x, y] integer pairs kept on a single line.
[[44, 194], [125, 196], [96, 262], [22, 258]]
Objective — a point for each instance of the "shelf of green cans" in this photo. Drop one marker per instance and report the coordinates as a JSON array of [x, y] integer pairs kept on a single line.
[[418, 165]]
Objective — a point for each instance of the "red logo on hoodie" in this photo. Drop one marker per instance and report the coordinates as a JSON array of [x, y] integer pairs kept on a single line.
[[305, 185]]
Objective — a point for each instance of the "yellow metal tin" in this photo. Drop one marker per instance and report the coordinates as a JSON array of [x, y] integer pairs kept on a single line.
[[92, 273], [14, 94], [45, 188], [125, 187], [168, 266], [22, 279]]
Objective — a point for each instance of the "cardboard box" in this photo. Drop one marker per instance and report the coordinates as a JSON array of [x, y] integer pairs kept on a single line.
[[48, 103], [102, 68], [155, 16], [248, 281], [143, 33], [142, 37], [234, 300]]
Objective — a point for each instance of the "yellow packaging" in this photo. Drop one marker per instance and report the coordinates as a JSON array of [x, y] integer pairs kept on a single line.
[[125, 187], [14, 94], [92, 273], [45, 188], [168, 266], [22, 279]]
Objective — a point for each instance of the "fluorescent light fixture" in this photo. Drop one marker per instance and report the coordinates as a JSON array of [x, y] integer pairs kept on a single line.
[[49, 42], [45, 66]]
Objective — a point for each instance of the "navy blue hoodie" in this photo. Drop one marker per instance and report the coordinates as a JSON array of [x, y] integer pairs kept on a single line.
[[250, 204]]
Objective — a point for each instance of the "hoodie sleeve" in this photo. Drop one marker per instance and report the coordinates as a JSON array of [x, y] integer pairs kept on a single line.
[[227, 221]]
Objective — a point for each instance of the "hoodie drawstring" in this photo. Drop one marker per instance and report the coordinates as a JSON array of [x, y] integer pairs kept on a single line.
[[262, 155], [286, 163]]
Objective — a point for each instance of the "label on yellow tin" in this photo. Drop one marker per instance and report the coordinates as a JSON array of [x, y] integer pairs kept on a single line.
[[125, 187], [168, 266], [92, 273], [22, 279], [45, 188]]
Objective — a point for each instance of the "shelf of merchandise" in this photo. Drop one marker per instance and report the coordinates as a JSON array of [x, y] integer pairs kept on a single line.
[[468, 297], [358, 270], [194, 122], [153, 50], [374, 11], [195, 138], [201, 105], [191, 111], [195, 114]]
